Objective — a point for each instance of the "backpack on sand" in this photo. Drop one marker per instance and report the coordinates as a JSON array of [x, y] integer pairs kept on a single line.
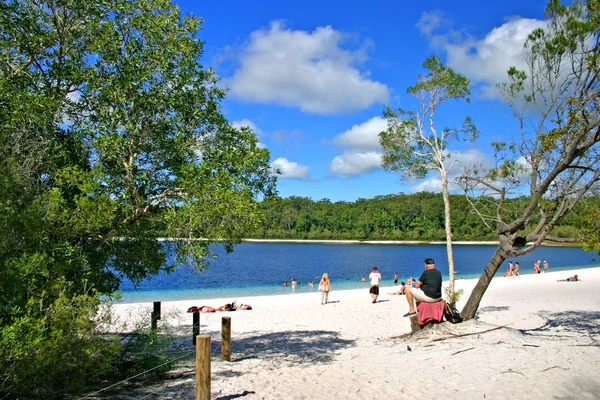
[[451, 314]]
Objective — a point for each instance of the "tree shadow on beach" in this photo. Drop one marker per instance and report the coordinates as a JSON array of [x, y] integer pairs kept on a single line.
[[294, 347], [584, 323], [492, 309]]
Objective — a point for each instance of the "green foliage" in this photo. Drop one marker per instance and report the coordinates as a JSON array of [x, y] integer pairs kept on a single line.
[[112, 135], [417, 216], [556, 102], [452, 296], [414, 147]]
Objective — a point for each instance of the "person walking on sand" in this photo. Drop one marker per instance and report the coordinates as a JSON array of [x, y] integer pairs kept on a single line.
[[374, 278], [324, 287], [427, 289], [546, 266]]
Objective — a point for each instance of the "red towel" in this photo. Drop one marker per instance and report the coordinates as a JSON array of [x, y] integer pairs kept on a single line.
[[431, 311]]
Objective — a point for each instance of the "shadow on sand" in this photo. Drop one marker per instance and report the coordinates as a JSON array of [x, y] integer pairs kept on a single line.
[[291, 346], [584, 323], [492, 309]]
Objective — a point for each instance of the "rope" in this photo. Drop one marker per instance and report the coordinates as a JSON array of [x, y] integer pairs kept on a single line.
[[135, 376], [212, 354]]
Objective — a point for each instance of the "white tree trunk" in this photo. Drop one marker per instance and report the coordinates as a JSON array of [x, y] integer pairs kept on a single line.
[[448, 225]]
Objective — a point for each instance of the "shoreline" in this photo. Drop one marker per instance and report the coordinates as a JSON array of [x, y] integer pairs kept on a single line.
[[132, 297], [359, 241], [467, 283], [526, 328]]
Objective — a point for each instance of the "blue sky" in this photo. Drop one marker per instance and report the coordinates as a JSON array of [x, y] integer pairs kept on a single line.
[[311, 78]]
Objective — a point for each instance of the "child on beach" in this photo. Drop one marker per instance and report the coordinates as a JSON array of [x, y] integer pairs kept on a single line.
[[324, 287]]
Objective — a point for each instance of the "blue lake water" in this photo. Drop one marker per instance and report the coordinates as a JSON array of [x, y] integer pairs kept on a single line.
[[257, 269]]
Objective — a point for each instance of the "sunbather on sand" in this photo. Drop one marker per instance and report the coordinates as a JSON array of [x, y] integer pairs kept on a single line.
[[401, 289], [574, 278]]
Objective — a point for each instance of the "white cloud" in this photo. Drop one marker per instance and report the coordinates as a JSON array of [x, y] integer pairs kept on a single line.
[[289, 169], [246, 123], [430, 21], [355, 163], [364, 136], [484, 61], [309, 70]]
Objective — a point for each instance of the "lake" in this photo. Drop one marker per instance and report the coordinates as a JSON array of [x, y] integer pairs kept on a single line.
[[257, 269]]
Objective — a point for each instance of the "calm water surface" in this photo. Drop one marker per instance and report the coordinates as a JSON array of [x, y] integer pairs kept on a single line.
[[257, 269]]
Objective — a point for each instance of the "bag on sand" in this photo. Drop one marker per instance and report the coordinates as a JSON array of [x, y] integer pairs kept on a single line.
[[451, 314]]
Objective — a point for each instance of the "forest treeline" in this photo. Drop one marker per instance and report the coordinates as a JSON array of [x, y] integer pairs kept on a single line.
[[418, 216]]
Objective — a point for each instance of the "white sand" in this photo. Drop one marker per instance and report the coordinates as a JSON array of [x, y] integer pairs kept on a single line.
[[292, 347]]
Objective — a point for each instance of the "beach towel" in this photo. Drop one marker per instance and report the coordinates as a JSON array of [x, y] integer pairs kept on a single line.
[[430, 312]]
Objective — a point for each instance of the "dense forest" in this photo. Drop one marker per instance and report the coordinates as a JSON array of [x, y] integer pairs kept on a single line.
[[418, 216]]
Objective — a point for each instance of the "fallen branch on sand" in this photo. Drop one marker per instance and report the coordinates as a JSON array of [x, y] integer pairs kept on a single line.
[[554, 366], [455, 335], [513, 371], [462, 351]]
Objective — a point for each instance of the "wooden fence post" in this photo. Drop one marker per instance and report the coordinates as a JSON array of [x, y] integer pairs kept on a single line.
[[226, 339], [195, 326], [155, 316], [203, 368]]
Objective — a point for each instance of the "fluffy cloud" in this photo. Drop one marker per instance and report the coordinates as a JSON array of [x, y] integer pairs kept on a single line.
[[355, 163], [363, 152], [364, 136], [284, 168], [309, 70], [484, 61]]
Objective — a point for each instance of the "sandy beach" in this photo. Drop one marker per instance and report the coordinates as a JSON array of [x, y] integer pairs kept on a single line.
[[534, 338]]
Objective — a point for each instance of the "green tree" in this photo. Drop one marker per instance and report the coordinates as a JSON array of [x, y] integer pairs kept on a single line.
[[112, 135], [556, 102], [412, 144]]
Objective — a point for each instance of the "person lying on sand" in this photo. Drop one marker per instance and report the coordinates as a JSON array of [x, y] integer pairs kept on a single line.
[[401, 289], [203, 309], [224, 307], [574, 278]]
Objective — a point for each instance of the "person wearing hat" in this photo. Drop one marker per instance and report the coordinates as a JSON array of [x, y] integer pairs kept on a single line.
[[427, 289]]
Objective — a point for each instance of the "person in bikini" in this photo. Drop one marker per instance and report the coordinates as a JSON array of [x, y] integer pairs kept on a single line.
[[325, 287]]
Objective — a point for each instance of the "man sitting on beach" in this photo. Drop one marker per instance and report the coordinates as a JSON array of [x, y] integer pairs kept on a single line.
[[428, 288]]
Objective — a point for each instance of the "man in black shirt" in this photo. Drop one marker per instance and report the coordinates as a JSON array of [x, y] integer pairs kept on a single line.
[[427, 289]]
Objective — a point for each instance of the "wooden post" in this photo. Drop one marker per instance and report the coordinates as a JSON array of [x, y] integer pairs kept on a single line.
[[155, 316], [202, 367], [226, 339], [195, 326]]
